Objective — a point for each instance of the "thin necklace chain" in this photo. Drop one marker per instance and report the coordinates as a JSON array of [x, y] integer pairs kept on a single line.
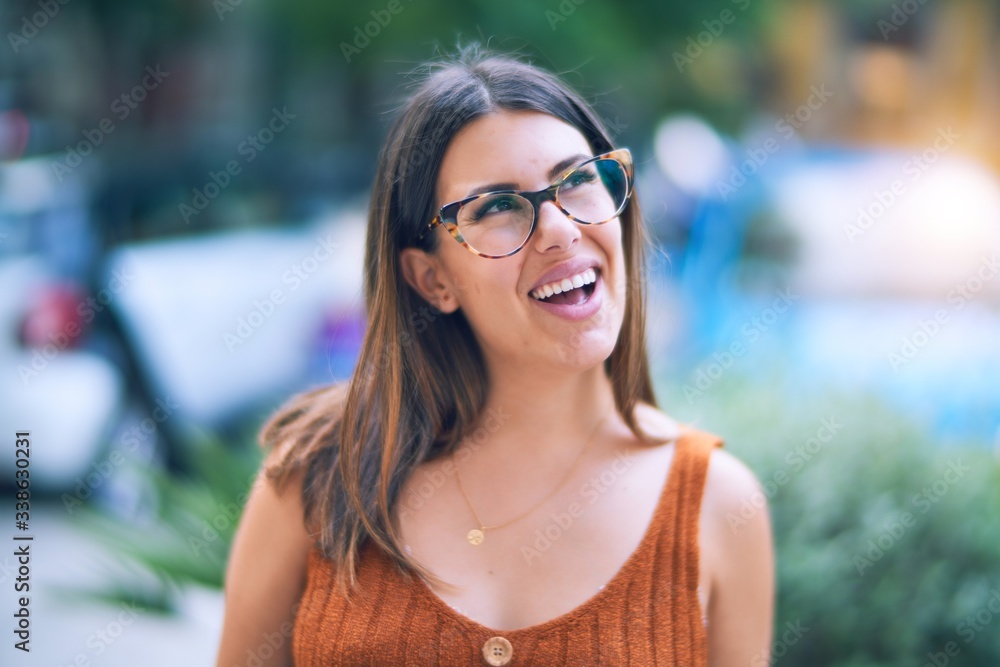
[[476, 536]]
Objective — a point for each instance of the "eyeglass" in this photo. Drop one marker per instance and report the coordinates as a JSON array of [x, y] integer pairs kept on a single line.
[[498, 224]]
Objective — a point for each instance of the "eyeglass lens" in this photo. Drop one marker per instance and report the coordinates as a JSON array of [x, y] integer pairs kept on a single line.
[[497, 224]]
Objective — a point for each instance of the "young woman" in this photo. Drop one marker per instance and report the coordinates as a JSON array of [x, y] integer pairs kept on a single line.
[[495, 484]]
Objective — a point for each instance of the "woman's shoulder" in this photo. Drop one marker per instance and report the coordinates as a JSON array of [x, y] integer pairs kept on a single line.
[[729, 481], [298, 431], [730, 484], [292, 438], [737, 555], [735, 518], [279, 503], [266, 571]]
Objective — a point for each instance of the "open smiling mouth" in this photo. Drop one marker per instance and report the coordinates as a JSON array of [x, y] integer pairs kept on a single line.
[[573, 296]]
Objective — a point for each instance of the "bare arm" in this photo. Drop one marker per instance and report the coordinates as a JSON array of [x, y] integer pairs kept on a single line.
[[265, 578], [738, 547]]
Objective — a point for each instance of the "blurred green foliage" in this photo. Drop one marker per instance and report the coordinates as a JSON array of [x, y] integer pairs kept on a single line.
[[184, 535], [887, 544]]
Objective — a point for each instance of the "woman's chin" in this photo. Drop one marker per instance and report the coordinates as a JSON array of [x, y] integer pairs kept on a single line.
[[582, 352]]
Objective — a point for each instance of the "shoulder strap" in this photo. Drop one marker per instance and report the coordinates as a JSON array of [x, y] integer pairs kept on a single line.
[[688, 472]]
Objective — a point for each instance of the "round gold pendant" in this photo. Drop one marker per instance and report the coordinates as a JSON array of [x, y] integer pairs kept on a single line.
[[475, 536]]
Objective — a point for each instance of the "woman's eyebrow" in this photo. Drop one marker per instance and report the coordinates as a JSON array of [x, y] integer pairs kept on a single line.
[[565, 164], [557, 169]]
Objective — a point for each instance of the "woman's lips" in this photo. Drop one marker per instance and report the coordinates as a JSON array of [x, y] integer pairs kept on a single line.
[[577, 312]]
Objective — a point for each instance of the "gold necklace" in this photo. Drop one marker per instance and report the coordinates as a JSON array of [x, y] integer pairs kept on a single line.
[[477, 535]]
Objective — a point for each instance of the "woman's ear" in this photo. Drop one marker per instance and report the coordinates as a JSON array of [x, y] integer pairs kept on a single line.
[[425, 274]]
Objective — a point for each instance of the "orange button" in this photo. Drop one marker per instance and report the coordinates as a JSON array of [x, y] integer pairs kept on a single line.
[[497, 651]]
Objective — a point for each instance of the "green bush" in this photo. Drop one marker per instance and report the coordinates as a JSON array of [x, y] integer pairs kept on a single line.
[[887, 543], [184, 533]]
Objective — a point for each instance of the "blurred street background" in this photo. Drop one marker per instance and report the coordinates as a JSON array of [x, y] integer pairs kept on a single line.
[[183, 192]]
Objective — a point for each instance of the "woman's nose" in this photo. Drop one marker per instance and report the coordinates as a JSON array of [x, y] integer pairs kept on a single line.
[[554, 228]]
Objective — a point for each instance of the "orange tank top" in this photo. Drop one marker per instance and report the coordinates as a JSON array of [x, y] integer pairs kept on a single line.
[[647, 614]]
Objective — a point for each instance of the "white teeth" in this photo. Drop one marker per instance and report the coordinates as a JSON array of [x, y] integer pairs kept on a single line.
[[573, 282]]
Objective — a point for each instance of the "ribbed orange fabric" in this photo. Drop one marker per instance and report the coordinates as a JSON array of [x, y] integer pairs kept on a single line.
[[648, 614]]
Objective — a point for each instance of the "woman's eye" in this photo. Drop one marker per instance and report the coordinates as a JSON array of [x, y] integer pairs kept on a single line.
[[579, 178], [498, 205]]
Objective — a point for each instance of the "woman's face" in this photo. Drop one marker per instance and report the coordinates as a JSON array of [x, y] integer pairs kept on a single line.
[[520, 150]]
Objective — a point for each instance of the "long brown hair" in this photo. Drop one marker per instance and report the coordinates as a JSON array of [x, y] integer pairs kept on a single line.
[[420, 380]]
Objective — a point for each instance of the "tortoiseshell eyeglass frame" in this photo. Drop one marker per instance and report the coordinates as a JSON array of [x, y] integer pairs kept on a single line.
[[448, 214]]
